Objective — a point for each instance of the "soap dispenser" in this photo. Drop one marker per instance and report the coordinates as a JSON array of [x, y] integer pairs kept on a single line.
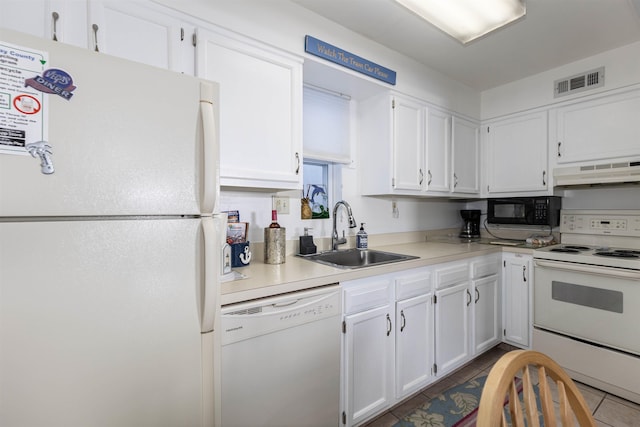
[[362, 239], [307, 247]]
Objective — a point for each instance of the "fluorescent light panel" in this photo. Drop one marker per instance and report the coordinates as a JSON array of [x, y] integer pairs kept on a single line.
[[466, 20]]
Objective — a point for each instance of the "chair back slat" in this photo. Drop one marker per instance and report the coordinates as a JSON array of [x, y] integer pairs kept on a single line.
[[517, 418], [529, 399], [546, 399]]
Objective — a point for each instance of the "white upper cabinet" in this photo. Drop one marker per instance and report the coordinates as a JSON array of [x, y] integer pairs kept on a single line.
[[410, 148], [141, 32], [408, 144], [261, 121], [516, 154], [438, 151], [61, 20], [391, 136], [465, 148], [138, 31], [601, 128]]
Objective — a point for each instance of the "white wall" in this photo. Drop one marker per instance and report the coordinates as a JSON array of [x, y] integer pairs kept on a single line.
[[622, 68]]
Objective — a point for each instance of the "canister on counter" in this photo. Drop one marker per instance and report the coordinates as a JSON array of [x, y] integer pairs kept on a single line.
[[275, 245]]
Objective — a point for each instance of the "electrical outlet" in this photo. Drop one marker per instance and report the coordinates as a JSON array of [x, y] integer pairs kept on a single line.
[[394, 209], [281, 204]]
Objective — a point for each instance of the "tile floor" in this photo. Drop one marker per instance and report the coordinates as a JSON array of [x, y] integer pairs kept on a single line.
[[608, 410]]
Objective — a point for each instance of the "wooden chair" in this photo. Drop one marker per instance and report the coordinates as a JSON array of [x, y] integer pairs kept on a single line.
[[500, 386]]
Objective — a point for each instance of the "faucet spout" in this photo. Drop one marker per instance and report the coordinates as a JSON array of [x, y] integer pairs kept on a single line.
[[335, 240]]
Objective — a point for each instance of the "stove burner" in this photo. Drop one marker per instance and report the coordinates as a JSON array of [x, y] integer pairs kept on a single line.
[[565, 250], [620, 254], [577, 248], [627, 251]]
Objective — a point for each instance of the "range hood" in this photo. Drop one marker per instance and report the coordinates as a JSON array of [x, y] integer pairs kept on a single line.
[[601, 173]]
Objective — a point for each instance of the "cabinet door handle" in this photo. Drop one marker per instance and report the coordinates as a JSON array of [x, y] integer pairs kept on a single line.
[[95, 36], [421, 176], [544, 178], [429, 174], [468, 297], [298, 163], [524, 273], [55, 17], [388, 325], [455, 180], [559, 145], [404, 320], [477, 296]]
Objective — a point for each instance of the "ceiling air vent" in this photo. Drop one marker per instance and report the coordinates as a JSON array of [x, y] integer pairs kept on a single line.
[[578, 83]]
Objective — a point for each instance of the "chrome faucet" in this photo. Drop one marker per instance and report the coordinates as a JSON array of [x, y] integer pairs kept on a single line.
[[335, 240]]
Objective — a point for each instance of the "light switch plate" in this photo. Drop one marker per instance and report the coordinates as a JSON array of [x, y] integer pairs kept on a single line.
[[281, 205]]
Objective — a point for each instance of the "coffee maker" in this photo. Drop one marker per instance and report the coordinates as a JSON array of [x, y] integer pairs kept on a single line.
[[471, 223]]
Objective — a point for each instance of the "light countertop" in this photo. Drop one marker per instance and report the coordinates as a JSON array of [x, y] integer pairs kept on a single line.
[[264, 280]]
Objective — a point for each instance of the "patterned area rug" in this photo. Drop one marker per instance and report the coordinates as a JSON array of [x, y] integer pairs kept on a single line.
[[456, 407]]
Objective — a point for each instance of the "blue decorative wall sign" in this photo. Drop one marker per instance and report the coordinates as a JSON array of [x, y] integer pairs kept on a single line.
[[349, 60]]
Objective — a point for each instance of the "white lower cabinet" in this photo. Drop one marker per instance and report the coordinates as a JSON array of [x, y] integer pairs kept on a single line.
[[486, 313], [368, 348], [402, 331], [452, 333], [517, 279], [467, 310], [387, 347], [414, 332]]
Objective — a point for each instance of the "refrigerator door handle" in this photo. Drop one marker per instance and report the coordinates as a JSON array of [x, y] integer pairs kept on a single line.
[[211, 260], [211, 149]]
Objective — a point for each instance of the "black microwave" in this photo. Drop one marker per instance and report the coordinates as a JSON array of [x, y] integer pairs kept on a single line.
[[525, 210]]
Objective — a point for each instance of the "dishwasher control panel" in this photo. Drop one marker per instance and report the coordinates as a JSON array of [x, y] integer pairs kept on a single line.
[[247, 320]]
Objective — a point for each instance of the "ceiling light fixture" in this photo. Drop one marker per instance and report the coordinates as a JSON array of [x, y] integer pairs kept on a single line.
[[467, 20]]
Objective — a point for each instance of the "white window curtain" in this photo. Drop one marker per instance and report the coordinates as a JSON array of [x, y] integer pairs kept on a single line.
[[326, 126]]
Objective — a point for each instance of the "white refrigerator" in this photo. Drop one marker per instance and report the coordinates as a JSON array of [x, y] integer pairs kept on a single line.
[[110, 241]]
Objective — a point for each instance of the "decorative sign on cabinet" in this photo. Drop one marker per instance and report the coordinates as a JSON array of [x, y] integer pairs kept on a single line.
[[347, 59]]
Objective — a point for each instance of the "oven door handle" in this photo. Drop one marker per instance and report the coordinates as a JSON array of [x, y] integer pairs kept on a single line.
[[590, 269]]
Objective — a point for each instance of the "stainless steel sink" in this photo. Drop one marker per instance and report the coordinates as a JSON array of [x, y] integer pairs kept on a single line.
[[355, 258]]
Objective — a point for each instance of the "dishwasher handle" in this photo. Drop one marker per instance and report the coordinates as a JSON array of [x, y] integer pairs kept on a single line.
[[259, 317]]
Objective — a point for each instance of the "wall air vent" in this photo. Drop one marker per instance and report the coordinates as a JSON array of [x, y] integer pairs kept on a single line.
[[578, 83]]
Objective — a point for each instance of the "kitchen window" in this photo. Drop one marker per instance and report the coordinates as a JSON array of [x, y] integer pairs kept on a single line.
[[322, 182], [326, 124]]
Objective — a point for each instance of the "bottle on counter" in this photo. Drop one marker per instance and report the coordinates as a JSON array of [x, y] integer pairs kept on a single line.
[[362, 239], [274, 219]]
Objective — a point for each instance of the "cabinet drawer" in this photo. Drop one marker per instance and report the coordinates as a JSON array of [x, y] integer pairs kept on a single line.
[[451, 275], [368, 293], [485, 267], [412, 285]]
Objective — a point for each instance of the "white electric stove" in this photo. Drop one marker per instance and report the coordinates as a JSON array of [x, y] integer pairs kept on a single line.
[[587, 299]]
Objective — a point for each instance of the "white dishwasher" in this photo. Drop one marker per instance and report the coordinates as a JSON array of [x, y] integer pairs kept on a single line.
[[281, 360]]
